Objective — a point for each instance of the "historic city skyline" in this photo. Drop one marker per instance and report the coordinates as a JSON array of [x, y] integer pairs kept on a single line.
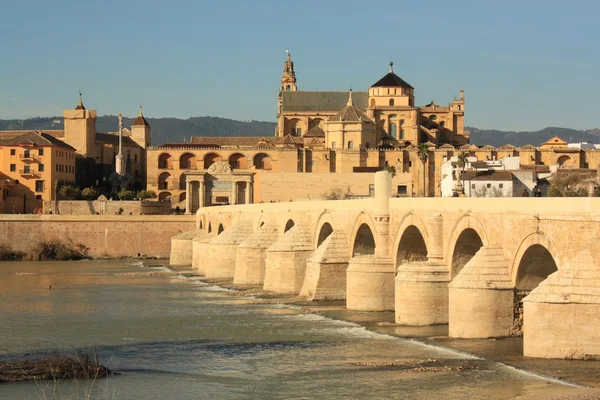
[[518, 64]]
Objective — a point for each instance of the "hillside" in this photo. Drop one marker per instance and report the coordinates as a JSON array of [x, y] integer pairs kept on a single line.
[[164, 130], [497, 138], [175, 130]]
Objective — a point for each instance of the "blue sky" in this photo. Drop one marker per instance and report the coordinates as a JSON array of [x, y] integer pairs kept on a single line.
[[524, 65]]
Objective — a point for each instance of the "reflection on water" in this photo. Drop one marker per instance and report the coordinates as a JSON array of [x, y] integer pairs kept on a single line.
[[174, 339]]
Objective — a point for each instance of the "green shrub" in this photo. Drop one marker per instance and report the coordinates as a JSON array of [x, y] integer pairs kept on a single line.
[[126, 195], [146, 194], [89, 193]]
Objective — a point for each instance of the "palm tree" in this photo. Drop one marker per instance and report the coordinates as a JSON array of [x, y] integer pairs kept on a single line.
[[423, 153], [462, 160]]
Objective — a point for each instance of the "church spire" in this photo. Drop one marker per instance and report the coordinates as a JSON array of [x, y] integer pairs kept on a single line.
[[350, 102], [80, 105], [288, 77]]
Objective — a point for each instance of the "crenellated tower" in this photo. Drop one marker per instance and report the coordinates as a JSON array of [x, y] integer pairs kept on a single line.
[[80, 129]]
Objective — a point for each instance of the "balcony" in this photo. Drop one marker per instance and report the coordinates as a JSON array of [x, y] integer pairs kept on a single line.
[[30, 158], [28, 173]]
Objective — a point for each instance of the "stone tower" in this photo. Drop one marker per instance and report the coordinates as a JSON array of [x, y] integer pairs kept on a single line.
[[288, 77], [80, 129], [140, 130]]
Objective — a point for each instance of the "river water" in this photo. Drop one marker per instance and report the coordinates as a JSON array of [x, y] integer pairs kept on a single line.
[[176, 339]]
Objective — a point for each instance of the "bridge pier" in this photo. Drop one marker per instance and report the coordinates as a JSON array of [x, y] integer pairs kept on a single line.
[[182, 247], [562, 315], [370, 283], [251, 256], [285, 266], [422, 293], [200, 248], [482, 297], [220, 260], [326, 270]]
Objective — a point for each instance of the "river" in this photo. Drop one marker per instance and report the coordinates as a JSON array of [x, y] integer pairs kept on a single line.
[[172, 338]]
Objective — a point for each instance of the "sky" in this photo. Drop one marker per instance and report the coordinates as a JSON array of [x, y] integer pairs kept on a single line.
[[524, 64]]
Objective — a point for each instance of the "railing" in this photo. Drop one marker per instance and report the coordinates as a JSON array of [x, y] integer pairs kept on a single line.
[[30, 157], [28, 172]]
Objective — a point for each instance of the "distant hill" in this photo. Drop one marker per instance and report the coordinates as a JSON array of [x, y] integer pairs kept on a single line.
[[497, 138], [164, 130], [175, 130]]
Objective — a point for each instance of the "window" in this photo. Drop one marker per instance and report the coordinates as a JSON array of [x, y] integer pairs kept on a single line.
[[288, 88], [27, 168], [442, 124], [350, 145], [489, 185], [458, 108], [501, 185], [26, 153], [13, 152], [402, 190], [391, 102], [298, 132], [393, 130], [13, 167], [433, 117], [39, 186], [41, 168], [41, 152]]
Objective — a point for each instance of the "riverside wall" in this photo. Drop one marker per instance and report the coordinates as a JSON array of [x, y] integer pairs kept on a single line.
[[103, 235]]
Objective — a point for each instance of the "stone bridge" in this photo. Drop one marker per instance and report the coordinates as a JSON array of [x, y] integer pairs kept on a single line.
[[488, 267]]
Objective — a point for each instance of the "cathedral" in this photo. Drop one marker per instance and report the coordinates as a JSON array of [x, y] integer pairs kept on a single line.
[[384, 116]]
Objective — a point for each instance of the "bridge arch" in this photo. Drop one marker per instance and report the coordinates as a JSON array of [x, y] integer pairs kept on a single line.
[[536, 256], [289, 224], [220, 229], [324, 227], [467, 237], [363, 232], [209, 227], [411, 239]]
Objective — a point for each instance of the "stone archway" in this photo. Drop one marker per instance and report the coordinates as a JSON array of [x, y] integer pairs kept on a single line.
[[470, 242], [364, 241], [289, 225], [467, 244], [411, 246], [324, 232], [220, 229], [535, 264]]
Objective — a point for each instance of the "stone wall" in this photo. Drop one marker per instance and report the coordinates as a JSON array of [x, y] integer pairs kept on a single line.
[[286, 186], [103, 235], [84, 207]]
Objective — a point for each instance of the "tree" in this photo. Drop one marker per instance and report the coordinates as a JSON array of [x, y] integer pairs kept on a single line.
[[89, 193], [572, 184], [463, 159], [67, 191], [126, 194], [423, 153], [337, 193], [146, 194], [391, 169], [119, 182]]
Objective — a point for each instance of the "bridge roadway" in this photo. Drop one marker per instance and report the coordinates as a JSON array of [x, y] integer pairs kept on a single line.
[[488, 267]]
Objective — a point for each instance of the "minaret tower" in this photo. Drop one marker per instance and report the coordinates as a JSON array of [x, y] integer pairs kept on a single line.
[[119, 157], [288, 77]]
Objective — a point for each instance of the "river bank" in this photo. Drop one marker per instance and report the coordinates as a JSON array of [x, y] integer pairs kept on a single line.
[[580, 378]]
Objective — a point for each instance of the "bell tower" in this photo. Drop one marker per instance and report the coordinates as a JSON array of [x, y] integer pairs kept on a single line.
[[80, 129], [288, 78], [141, 131]]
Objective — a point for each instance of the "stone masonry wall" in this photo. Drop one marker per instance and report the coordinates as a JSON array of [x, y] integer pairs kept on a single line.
[[83, 207], [103, 235]]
